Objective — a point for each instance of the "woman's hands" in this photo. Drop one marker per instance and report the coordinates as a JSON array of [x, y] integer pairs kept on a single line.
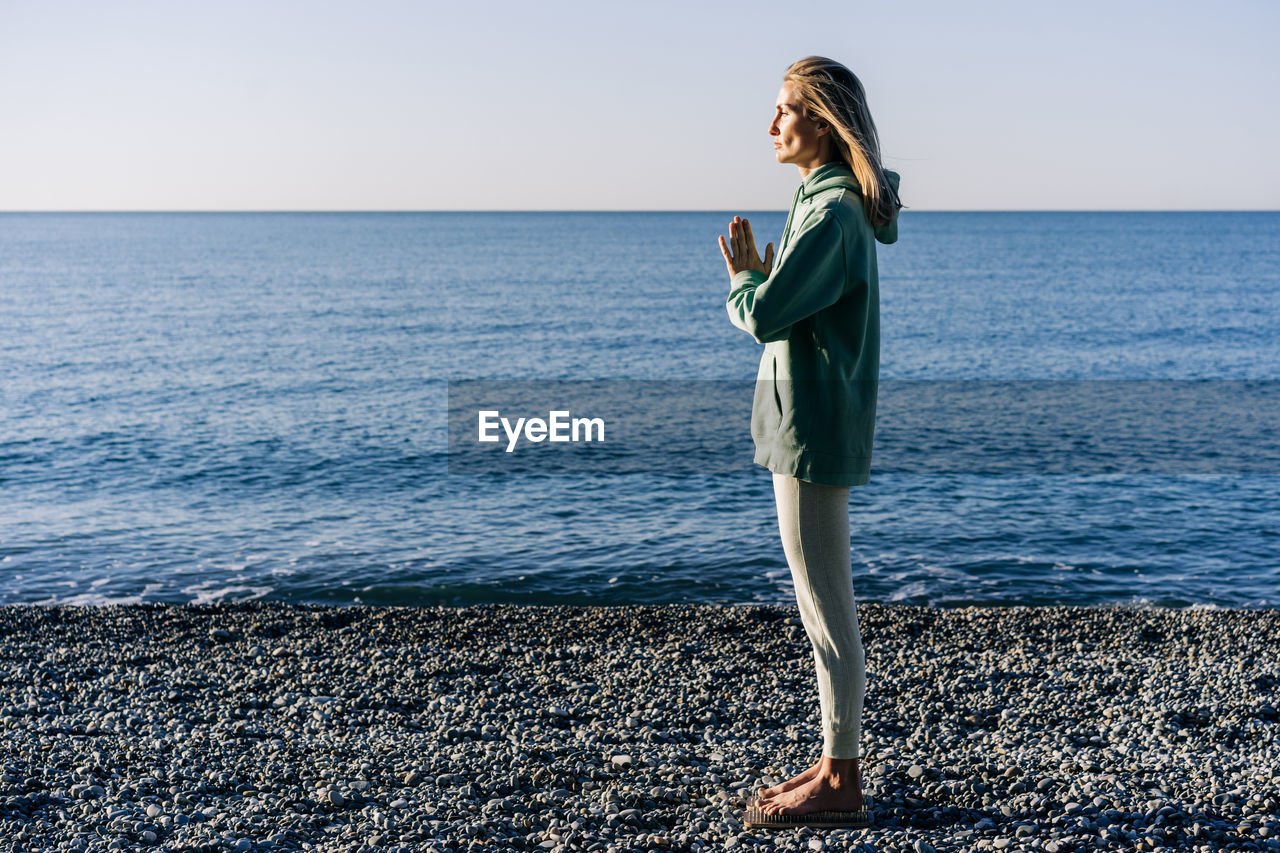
[[740, 252]]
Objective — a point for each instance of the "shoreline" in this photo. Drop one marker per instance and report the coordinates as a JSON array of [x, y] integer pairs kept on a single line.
[[1122, 605], [273, 726]]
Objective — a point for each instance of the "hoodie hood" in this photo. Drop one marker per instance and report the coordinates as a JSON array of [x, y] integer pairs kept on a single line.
[[837, 175]]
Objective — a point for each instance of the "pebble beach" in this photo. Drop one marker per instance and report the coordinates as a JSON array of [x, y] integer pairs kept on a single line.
[[270, 726]]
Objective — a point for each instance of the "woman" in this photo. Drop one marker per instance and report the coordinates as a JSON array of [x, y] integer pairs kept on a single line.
[[813, 415]]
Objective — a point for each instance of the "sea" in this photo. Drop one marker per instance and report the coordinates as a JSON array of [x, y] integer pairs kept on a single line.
[[221, 407]]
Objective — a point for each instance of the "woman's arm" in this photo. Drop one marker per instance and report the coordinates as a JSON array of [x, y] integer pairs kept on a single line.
[[810, 277]]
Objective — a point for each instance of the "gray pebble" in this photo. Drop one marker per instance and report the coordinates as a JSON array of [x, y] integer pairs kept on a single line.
[[187, 744]]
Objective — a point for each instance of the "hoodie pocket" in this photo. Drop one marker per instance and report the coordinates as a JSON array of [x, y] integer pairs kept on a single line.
[[777, 398], [766, 409]]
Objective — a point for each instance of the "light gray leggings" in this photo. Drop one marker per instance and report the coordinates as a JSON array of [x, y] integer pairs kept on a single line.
[[814, 523]]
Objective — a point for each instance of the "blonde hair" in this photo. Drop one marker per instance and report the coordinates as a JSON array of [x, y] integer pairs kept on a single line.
[[831, 94]]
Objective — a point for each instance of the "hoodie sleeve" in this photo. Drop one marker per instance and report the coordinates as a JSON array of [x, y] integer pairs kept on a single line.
[[809, 278]]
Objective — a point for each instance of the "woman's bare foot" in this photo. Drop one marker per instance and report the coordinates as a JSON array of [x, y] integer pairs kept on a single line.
[[837, 786], [794, 781]]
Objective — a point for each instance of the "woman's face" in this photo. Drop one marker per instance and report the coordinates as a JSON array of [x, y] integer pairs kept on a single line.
[[796, 139]]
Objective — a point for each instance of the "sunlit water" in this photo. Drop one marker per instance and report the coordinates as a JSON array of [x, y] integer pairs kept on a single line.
[[207, 407]]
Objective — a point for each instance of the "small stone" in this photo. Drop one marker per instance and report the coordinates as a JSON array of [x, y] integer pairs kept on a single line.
[[1045, 784], [1025, 831], [154, 811], [922, 846], [915, 771], [621, 760], [400, 803], [817, 844], [335, 798], [1001, 843]]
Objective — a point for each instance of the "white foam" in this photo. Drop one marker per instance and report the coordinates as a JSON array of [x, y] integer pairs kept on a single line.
[[911, 590], [91, 599], [203, 595]]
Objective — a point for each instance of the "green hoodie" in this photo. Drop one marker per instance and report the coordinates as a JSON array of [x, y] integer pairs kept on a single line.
[[818, 315]]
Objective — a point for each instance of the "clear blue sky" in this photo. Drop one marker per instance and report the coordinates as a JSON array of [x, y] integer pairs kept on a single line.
[[385, 105]]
